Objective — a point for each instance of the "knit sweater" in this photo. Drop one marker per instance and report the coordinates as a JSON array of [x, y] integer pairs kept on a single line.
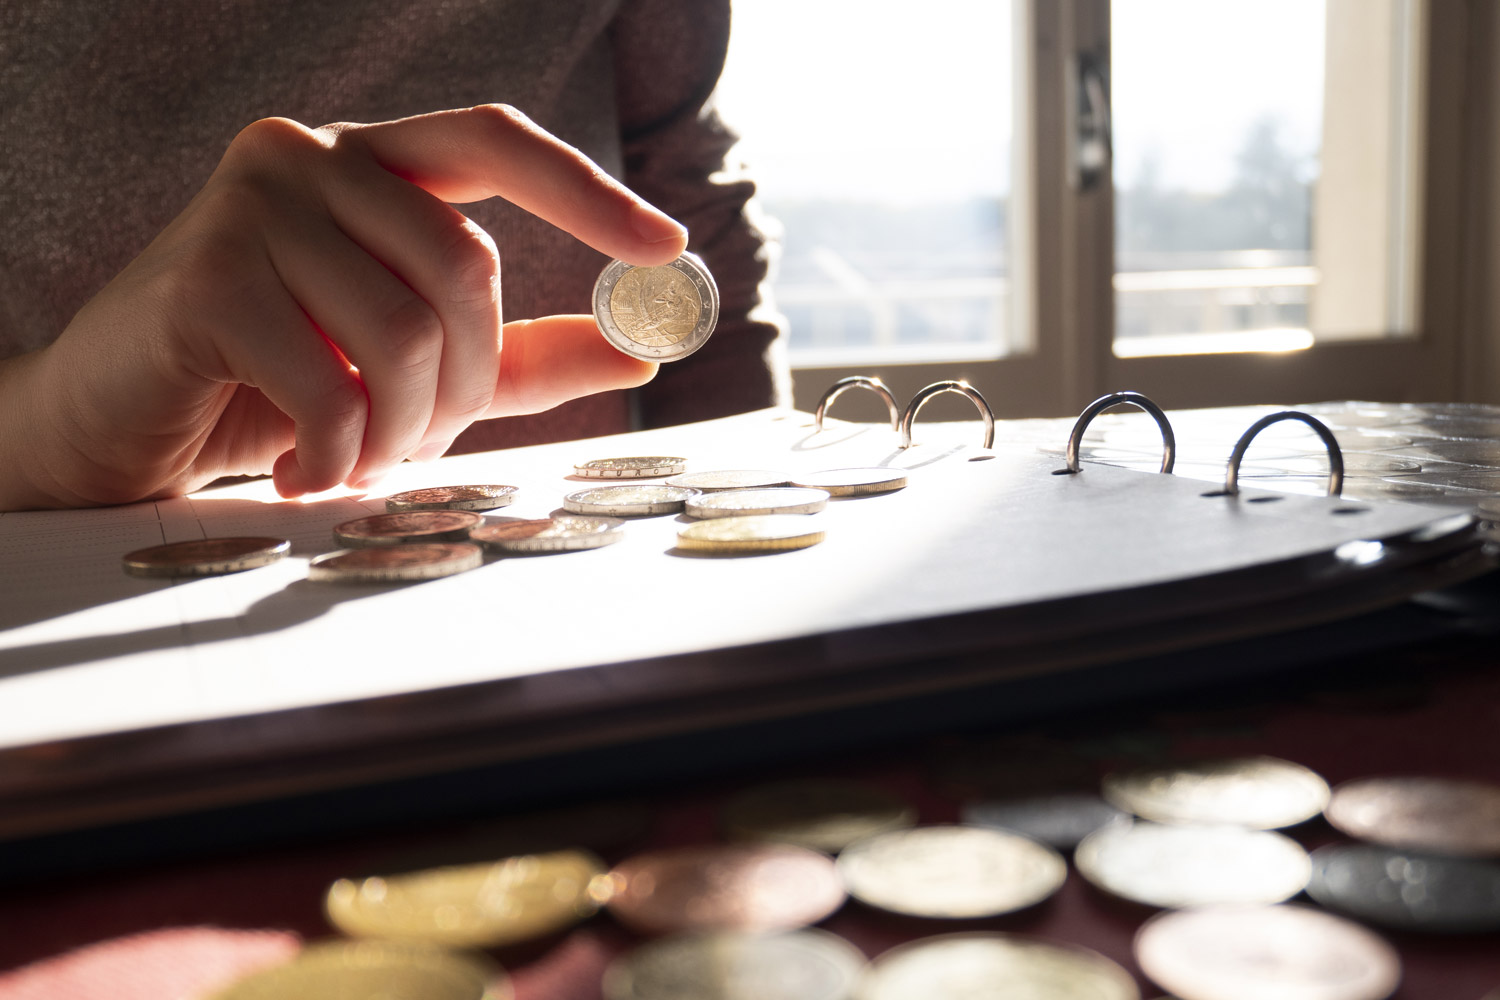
[[113, 114]]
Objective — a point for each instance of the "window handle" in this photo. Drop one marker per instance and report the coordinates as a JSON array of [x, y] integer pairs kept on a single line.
[[1091, 133]]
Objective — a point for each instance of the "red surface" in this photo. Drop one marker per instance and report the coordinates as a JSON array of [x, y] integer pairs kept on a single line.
[[148, 932]]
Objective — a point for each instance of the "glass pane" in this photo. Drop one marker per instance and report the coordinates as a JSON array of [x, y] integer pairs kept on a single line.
[[1258, 186], [881, 145]]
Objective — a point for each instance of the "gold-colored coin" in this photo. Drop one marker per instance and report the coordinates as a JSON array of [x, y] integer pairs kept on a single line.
[[748, 503], [634, 467], [951, 871], [730, 479], [998, 966], [1263, 793], [799, 965], [360, 970], [1177, 866], [853, 482], [205, 557], [395, 564], [549, 534], [466, 906], [746, 535], [406, 528], [657, 313], [452, 498], [822, 814]]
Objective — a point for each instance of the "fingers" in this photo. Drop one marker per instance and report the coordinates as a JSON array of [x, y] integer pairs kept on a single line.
[[548, 361], [493, 150]]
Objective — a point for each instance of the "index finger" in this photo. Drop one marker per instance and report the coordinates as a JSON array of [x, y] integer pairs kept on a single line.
[[495, 150]]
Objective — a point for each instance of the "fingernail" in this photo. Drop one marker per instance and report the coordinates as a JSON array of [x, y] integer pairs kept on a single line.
[[654, 227]]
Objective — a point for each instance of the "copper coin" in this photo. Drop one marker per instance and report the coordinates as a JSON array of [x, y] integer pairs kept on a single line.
[[1265, 953], [205, 556], [452, 498], [760, 887], [1263, 793], [396, 564], [1436, 815], [549, 534], [407, 527]]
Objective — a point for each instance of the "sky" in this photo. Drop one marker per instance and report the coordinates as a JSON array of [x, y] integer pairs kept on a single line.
[[882, 103]]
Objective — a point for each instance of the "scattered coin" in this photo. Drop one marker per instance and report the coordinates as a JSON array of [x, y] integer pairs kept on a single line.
[[999, 966], [484, 905], [1259, 792], [635, 467], [1177, 866], [549, 534], [853, 482], [1265, 953], [744, 535], [406, 528], [628, 501], [745, 887], [358, 970], [659, 313], [817, 813], [799, 965], [452, 498], [951, 871], [401, 563], [1057, 819], [730, 479], [747, 503], [1432, 815], [1405, 890], [205, 557]]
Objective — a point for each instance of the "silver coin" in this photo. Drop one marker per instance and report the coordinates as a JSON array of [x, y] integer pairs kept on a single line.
[[628, 501], [1406, 890], [1058, 819], [1259, 792], [1176, 866], [634, 467], [549, 534], [797, 965], [452, 498], [657, 313], [737, 503], [994, 967], [395, 564], [729, 479], [853, 482]]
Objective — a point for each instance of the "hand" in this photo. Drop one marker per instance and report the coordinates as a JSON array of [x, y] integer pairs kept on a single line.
[[318, 311]]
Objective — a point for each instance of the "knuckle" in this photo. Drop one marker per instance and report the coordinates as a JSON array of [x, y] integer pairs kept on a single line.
[[412, 337], [342, 406], [472, 263], [271, 139], [504, 117]]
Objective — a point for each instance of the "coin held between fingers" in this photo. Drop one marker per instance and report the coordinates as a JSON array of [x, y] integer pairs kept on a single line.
[[659, 313]]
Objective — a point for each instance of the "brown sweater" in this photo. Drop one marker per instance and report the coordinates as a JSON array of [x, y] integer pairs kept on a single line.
[[112, 114]]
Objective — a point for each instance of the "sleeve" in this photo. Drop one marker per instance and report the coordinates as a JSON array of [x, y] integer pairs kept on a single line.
[[668, 56]]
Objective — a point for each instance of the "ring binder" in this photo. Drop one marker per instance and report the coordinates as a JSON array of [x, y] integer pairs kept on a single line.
[[1335, 453], [870, 382], [1168, 439], [937, 388]]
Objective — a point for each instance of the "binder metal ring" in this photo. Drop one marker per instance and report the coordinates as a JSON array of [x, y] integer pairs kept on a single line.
[[1335, 454], [1168, 439], [865, 382], [962, 388]]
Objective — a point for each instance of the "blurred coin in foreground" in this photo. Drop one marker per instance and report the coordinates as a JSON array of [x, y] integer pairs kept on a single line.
[[549, 534], [799, 965], [1405, 890], [1265, 953], [951, 871], [998, 966], [483, 905], [818, 813], [760, 887], [360, 970], [1176, 866], [1263, 793], [1432, 815], [749, 535], [628, 501], [1058, 819], [398, 564], [853, 482], [452, 498], [205, 557], [406, 528], [661, 313], [747, 503], [729, 479], [633, 467]]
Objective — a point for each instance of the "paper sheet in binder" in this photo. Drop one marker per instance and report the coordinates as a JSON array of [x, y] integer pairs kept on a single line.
[[982, 551]]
